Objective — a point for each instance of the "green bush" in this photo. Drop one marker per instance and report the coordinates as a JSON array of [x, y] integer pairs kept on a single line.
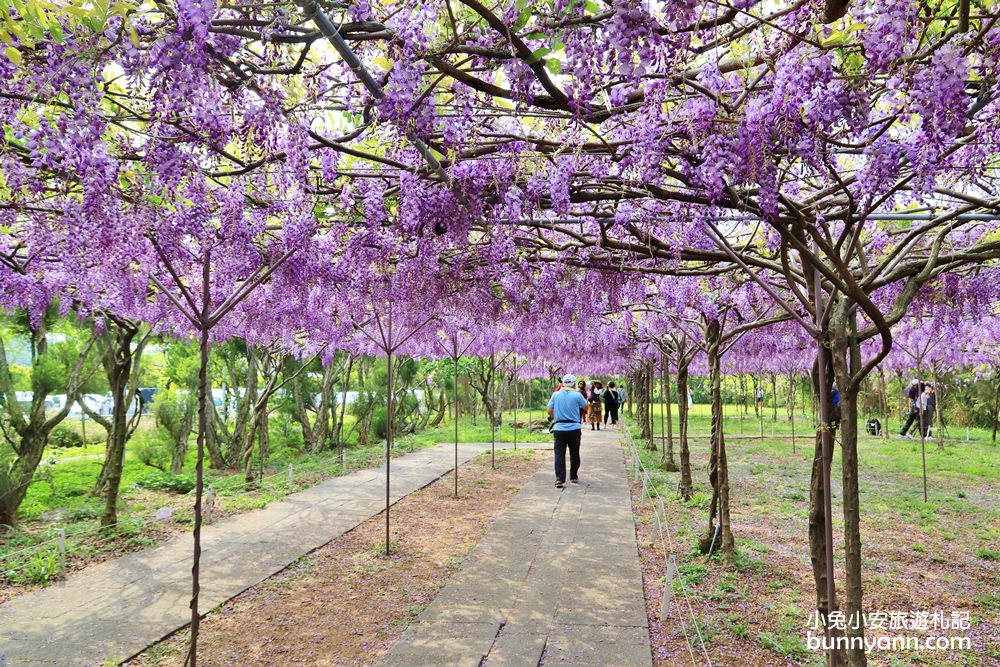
[[83, 512], [39, 567], [151, 447], [64, 437], [165, 481]]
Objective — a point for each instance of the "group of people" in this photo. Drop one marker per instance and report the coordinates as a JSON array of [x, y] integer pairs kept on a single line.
[[573, 404], [602, 404], [921, 403]]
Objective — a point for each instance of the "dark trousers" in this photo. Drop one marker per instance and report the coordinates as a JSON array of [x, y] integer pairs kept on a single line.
[[928, 422], [564, 439], [611, 411], [914, 417]]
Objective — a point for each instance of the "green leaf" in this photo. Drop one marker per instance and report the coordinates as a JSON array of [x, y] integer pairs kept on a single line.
[[841, 37], [56, 30], [13, 55], [538, 54], [78, 12], [522, 20], [133, 36], [554, 65]]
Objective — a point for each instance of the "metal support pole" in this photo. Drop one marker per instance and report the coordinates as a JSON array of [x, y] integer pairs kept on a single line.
[[62, 553], [291, 478], [388, 433], [455, 358], [668, 587], [493, 427], [209, 502], [515, 407]]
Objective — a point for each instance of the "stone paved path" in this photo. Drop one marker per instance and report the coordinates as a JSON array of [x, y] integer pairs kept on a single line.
[[555, 581], [113, 610]]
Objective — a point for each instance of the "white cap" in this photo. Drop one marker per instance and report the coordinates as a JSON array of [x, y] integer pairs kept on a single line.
[[915, 381], [569, 378]]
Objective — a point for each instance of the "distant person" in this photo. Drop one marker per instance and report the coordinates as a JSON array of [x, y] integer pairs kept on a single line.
[[566, 408], [611, 404], [928, 402], [912, 408], [582, 388], [758, 402], [594, 404]]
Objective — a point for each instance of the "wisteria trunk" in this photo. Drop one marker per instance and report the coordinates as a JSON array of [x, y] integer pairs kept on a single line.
[[682, 425], [669, 463], [846, 362], [818, 519], [648, 393], [996, 406], [120, 368], [641, 387], [718, 465]]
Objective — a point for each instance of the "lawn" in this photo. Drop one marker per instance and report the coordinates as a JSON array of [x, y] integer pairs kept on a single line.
[[61, 496], [935, 555]]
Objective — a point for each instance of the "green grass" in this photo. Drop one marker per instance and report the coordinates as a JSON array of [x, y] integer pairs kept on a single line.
[[61, 494], [954, 533], [481, 432], [745, 423]]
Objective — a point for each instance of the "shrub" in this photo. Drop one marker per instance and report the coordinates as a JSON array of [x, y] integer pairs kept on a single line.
[[63, 437], [166, 481], [39, 567], [152, 448], [83, 513]]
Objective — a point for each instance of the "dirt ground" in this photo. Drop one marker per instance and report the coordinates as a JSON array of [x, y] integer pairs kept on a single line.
[[346, 604], [756, 614]]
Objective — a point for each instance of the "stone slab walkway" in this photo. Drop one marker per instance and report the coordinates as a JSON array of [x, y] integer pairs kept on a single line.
[[113, 610], [555, 581]]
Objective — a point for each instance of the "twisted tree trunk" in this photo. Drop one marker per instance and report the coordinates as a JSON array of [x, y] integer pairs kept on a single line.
[[846, 357], [118, 364], [718, 465], [682, 417], [669, 463]]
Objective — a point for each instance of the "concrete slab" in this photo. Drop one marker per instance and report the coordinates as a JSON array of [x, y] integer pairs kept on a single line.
[[557, 575]]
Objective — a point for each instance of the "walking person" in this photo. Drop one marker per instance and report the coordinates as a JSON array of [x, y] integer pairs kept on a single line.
[[928, 402], [566, 408], [913, 408], [594, 405], [611, 405], [582, 388]]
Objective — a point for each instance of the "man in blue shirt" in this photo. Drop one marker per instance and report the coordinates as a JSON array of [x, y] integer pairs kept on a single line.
[[566, 407]]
